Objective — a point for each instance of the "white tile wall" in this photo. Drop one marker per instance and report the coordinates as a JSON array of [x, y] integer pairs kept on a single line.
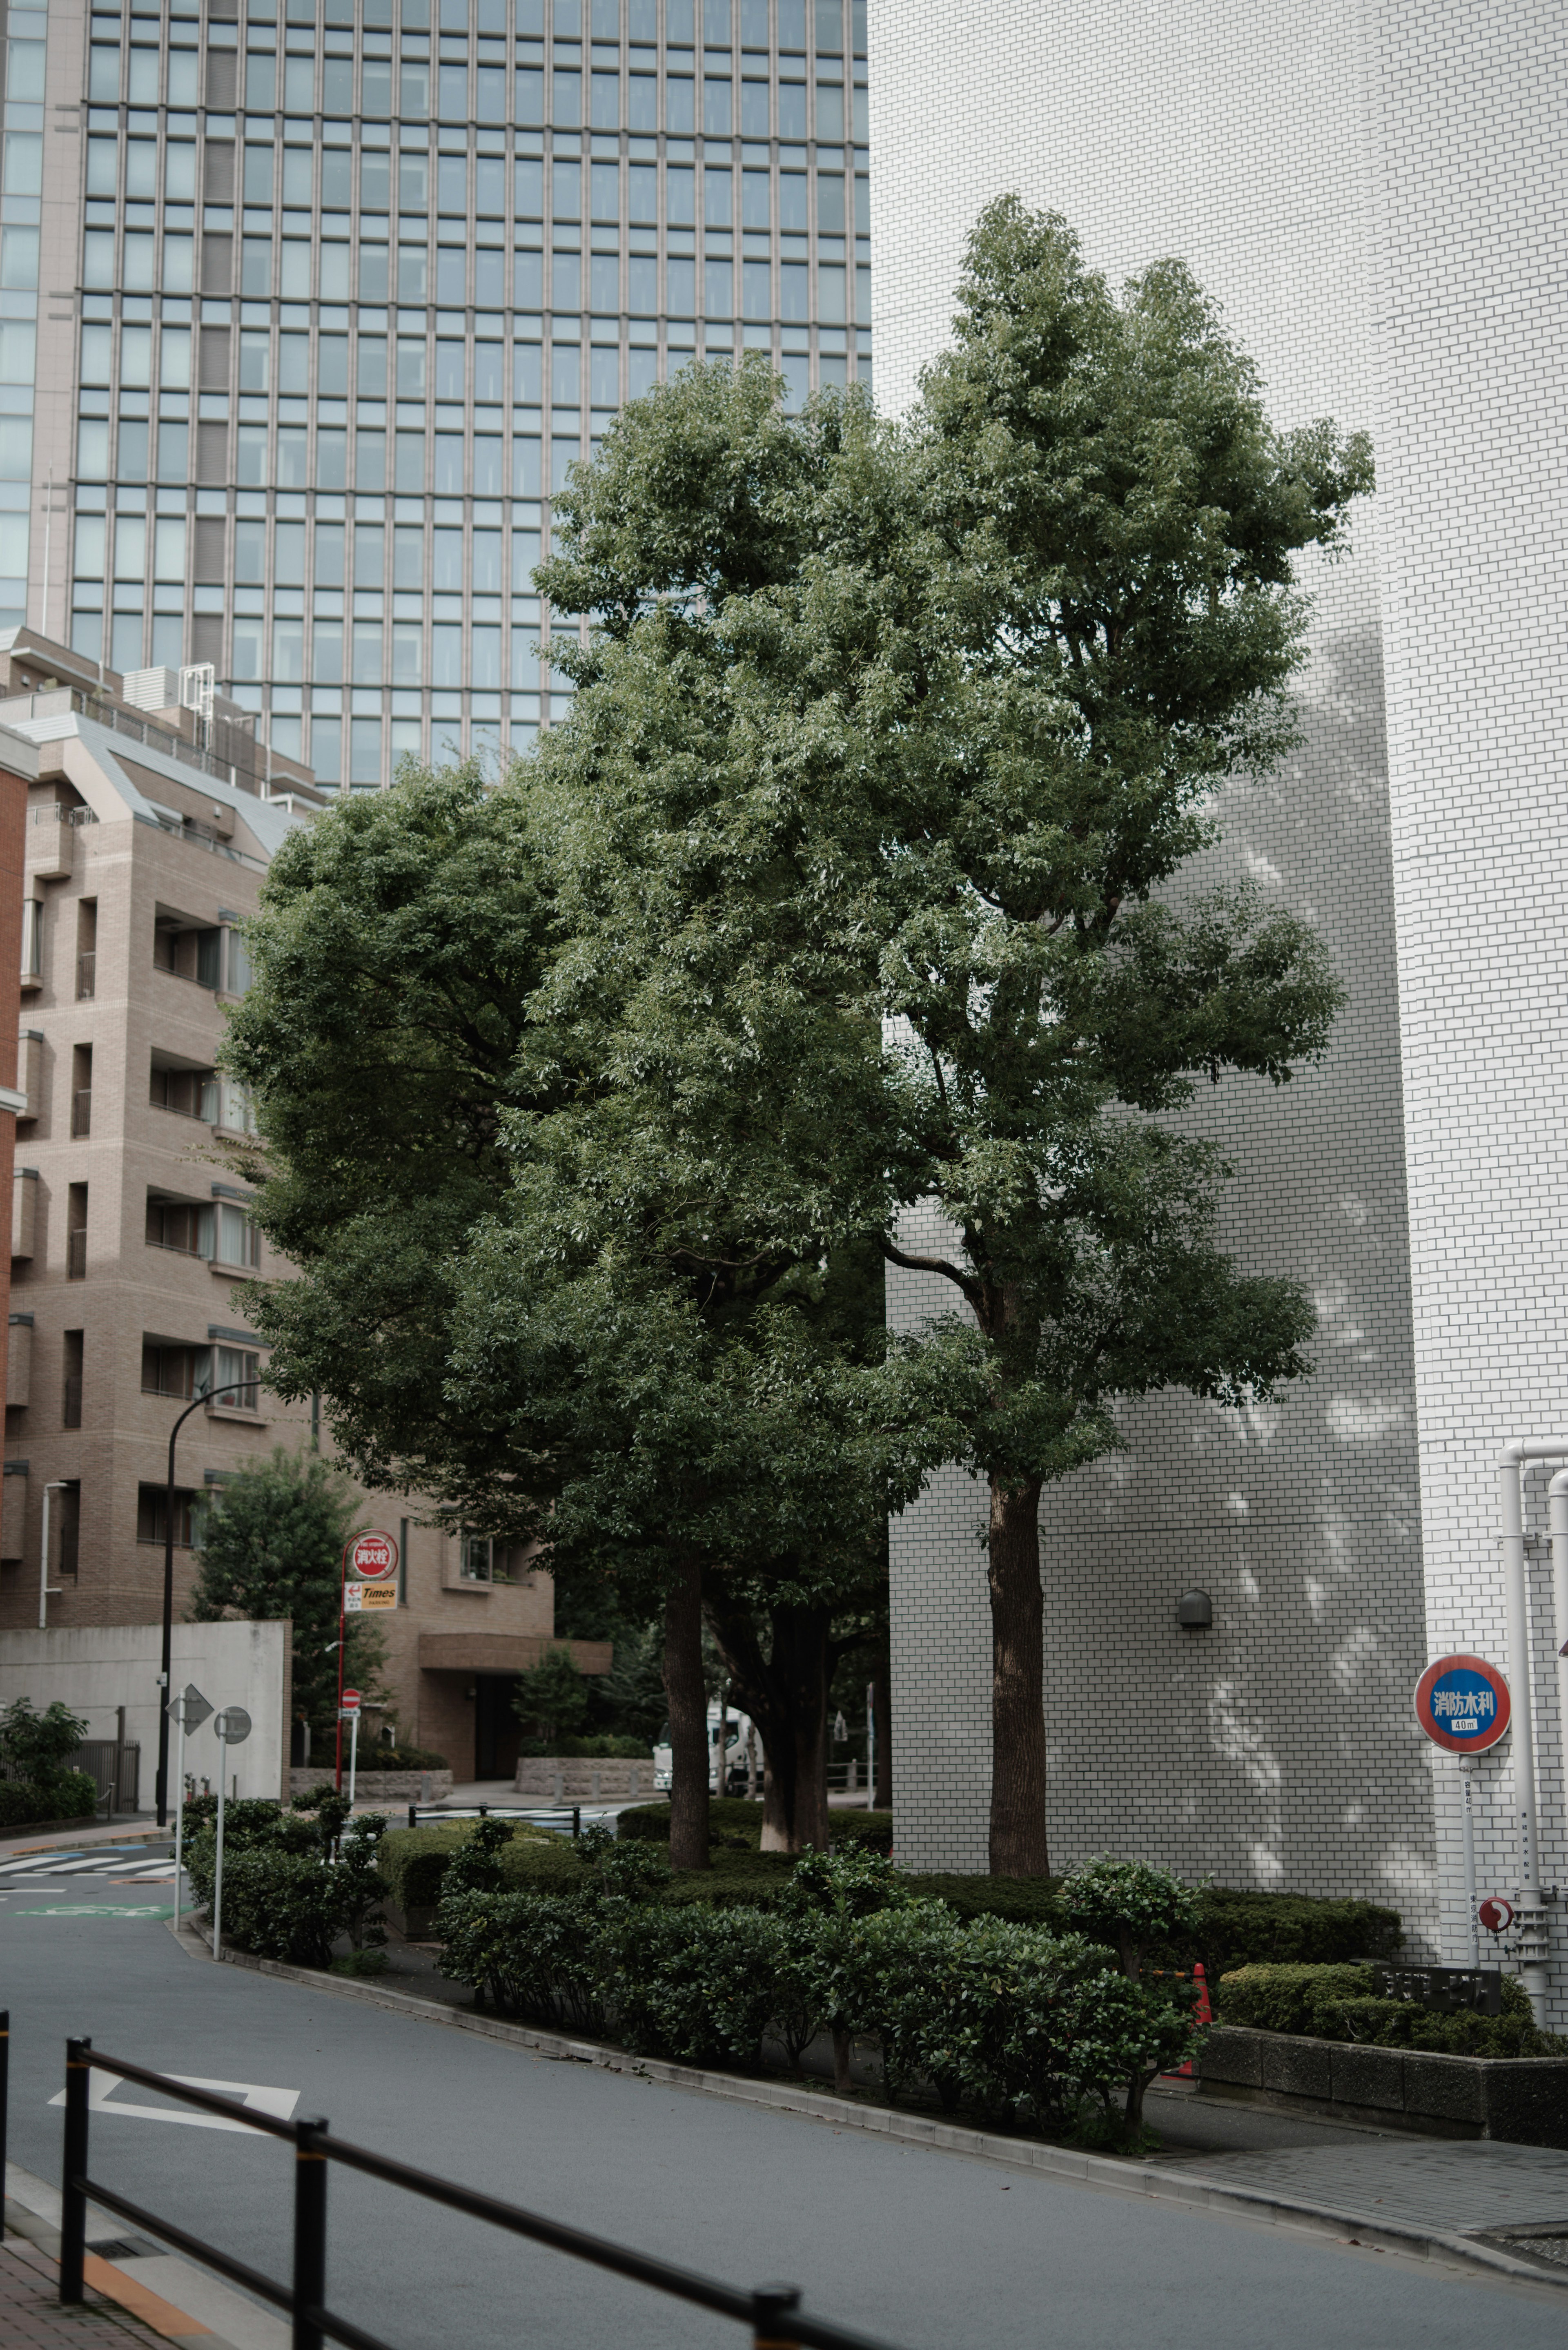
[[1370, 192]]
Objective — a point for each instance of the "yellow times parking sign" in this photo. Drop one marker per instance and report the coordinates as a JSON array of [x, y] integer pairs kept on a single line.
[[360, 1596]]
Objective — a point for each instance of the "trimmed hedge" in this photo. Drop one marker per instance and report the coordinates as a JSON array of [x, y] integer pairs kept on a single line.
[[1029, 2029], [734, 1820], [1338, 2002], [414, 1861], [292, 1882], [72, 1796]]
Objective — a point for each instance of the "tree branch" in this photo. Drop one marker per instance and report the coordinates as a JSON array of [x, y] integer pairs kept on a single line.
[[966, 1281]]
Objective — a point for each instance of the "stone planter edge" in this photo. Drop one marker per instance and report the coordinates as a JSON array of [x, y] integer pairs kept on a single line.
[[1523, 2099]]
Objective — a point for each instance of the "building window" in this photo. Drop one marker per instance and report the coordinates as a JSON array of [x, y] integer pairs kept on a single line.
[[153, 1516], [220, 1233]]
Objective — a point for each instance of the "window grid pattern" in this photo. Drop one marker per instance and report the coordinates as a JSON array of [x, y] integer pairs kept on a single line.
[[406, 273]]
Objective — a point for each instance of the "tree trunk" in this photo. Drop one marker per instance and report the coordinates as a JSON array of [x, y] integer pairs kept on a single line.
[[1018, 1684], [786, 1696], [687, 1695]]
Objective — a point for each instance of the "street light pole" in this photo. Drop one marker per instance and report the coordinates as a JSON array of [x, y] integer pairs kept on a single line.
[[231, 1386]]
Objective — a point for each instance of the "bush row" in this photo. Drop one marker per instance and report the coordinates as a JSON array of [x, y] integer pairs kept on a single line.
[[735, 1820], [1027, 2029], [1339, 2003], [293, 1881], [1230, 1928], [71, 1797]]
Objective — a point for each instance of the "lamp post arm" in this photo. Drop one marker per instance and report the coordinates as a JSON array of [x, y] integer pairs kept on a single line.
[[230, 1387]]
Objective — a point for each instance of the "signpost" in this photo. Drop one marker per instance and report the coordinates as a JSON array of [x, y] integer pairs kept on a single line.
[[232, 1726], [371, 1575], [189, 1711], [1462, 1705], [350, 1707]]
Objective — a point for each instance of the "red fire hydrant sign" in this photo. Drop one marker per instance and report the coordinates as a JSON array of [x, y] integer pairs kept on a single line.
[[1462, 1704], [370, 1558]]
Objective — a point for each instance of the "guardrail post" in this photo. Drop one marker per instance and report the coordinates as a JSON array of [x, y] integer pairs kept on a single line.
[[73, 2194], [771, 2305], [413, 1815], [4, 2103], [309, 2235]]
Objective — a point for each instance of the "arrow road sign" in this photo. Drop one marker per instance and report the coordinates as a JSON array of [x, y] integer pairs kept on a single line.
[[190, 1709]]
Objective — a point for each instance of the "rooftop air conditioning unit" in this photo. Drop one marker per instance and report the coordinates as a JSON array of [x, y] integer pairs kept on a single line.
[[152, 688]]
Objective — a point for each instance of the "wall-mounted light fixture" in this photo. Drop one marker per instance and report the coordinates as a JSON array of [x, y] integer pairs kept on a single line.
[[1195, 1611]]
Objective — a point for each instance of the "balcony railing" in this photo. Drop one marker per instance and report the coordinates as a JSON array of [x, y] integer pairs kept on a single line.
[[87, 976]]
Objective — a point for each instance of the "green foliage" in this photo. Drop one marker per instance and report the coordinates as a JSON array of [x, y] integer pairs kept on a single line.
[[1027, 2029], [286, 1895], [414, 1861], [1238, 1928], [1130, 1906], [551, 1699], [274, 1547], [401, 1758], [37, 1746], [1340, 2002], [72, 1796], [734, 1820], [475, 1866]]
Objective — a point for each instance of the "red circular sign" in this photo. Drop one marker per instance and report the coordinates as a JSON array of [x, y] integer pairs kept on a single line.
[[1462, 1704], [350, 1700], [370, 1558]]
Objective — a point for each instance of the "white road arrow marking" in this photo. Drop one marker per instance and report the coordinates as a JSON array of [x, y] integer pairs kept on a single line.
[[101, 2099]]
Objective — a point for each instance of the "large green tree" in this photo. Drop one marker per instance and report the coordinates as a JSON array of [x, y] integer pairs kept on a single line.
[[273, 1547], [955, 699]]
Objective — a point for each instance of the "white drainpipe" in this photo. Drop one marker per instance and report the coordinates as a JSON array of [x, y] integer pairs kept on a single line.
[[1533, 1942]]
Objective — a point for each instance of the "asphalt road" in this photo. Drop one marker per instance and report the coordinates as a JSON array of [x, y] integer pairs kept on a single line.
[[925, 2249]]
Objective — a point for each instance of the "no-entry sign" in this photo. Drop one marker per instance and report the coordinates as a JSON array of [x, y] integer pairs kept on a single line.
[[1462, 1704], [370, 1558], [350, 1700]]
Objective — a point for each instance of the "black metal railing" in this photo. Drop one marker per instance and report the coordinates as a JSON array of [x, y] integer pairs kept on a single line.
[[772, 2311]]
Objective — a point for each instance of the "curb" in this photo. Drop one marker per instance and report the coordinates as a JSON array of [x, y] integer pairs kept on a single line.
[[1099, 2171], [127, 2293]]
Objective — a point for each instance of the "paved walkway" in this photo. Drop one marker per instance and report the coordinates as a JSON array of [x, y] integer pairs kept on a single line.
[[1466, 2186], [31, 2317]]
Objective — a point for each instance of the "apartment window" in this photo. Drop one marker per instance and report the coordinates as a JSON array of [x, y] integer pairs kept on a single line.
[[475, 1558], [86, 948], [187, 1092], [235, 1370], [71, 1397], [218, 1233], [153, 1516], [68, 1564], [76, 1232], [81, 1091], [32, 938], [177, 1372]]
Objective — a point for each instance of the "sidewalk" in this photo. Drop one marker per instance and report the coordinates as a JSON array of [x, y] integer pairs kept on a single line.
[[31, 2317]]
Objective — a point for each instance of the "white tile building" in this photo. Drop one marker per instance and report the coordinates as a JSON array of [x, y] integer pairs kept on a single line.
[[1374, 195]]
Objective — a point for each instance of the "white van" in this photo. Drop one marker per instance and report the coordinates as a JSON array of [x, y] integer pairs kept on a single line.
[[734, 1777]]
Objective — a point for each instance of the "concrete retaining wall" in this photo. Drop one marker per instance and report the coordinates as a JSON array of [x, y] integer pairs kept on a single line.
[[380, 1786], [1523, 2099], [578, 1778]]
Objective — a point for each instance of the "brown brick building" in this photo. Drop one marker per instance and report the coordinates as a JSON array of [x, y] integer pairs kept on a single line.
[[146, 842]]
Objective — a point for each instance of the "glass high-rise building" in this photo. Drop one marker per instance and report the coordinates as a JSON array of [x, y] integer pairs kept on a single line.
[[306, 307]]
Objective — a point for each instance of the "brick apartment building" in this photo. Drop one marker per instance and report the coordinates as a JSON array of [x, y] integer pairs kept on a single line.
[[148, 830]]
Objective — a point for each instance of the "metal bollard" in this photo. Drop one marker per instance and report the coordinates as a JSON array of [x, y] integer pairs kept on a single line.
[[73, 2195], [413, 1815], [309, 2235], [577, 1819], [771, 2304]]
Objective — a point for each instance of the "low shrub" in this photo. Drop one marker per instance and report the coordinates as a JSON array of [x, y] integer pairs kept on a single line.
[[414, 1861], [1339, 2003], [292, 1886], [72, 1796], [1029, 2029], [734, 1821], [1237, 1928], [400, 1758]]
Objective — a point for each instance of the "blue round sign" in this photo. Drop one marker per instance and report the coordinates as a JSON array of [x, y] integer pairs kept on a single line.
[[1462, 1703]]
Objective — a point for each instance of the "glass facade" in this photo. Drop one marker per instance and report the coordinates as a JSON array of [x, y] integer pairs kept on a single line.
[[359, 283]]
